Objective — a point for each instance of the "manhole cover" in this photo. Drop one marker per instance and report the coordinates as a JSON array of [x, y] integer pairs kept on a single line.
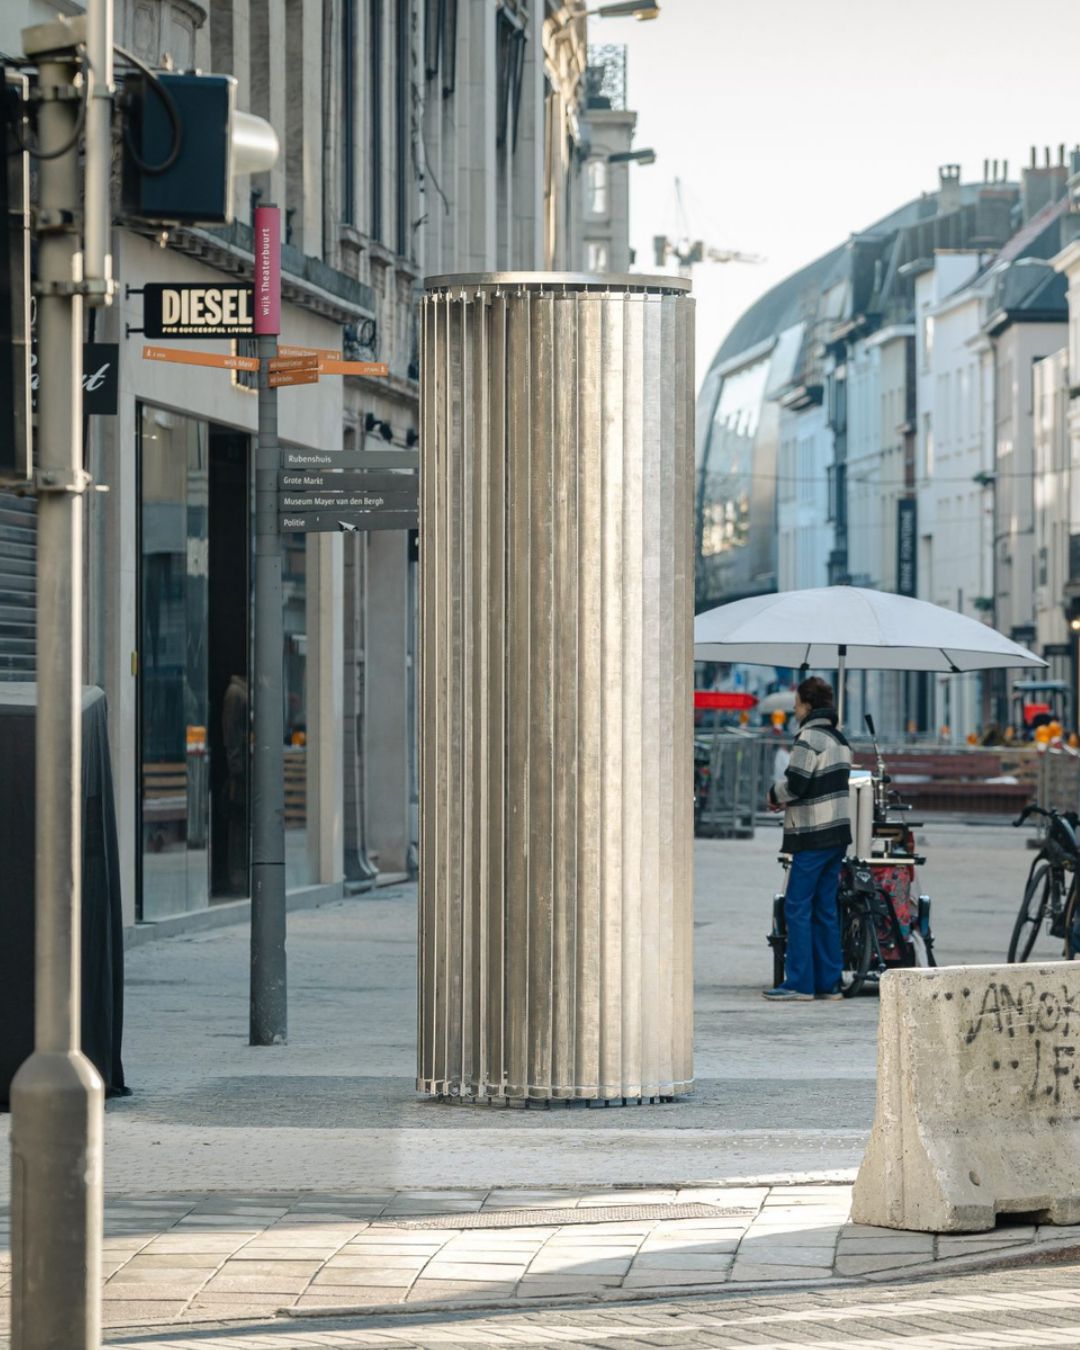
[[535, 1218]]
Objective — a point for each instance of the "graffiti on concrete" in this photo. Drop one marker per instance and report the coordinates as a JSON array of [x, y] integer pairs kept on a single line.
[[1036, 1031]]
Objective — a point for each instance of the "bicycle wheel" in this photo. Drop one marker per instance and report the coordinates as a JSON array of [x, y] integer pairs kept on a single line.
[[1072, 923], [1043, 886], [856, 945], [778, 941]]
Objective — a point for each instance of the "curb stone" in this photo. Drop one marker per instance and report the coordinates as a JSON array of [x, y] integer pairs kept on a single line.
[[1030, 1254]]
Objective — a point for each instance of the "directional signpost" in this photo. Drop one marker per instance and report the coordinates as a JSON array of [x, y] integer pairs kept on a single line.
[[346, 480], [347, 522], [350, 459], [282, 379], [363, 496]]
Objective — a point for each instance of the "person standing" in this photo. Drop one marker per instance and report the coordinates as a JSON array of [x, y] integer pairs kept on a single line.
[[813, 794]]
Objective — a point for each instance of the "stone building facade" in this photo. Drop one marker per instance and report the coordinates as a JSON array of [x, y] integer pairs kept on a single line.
[[417, 138]]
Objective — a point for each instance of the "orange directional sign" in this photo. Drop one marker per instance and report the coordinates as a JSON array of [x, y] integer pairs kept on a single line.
[[332, 367], [324, 353], [293, 363], [182, 357], [281, 379]]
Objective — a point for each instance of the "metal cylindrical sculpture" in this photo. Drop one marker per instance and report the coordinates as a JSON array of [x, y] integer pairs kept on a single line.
[[556, 688]]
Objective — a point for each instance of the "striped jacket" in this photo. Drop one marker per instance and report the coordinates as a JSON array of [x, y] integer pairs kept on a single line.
[[814, 789]]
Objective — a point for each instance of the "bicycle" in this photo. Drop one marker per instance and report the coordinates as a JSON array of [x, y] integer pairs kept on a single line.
[[874, 936], [869, 926], [1048, 901]]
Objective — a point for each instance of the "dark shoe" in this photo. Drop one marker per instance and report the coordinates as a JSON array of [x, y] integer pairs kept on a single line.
[[782, 995]]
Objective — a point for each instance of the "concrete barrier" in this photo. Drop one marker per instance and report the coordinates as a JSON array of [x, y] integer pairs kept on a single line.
[[978, 1099]]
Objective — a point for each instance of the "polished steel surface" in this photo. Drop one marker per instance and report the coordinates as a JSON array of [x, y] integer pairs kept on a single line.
[[616, 282], [556, 674]]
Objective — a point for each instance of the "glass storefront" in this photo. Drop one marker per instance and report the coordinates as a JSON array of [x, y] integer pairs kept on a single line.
[[174, 707], [298, 870], [194, 669]]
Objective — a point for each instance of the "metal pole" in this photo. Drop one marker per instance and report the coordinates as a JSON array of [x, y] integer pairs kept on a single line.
[[57, 1095], [841, 682], [98, 198], [269, 1006]]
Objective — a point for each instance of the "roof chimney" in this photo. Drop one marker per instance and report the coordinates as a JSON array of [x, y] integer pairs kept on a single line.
[[1043, 184], [948, 188]]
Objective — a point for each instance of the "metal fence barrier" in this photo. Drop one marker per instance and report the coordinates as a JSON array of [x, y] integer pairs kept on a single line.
[[734, 772]]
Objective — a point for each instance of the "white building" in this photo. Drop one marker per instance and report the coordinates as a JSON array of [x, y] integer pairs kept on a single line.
[[1054, 518], [803, 532], [954, 463], [1026, 322], [880, 475]]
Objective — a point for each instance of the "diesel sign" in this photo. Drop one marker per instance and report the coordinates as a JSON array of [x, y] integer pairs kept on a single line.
[[188, 310]]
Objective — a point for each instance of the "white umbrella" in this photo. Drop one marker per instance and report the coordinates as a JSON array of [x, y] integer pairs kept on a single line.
[[847, 628], [782, 701]]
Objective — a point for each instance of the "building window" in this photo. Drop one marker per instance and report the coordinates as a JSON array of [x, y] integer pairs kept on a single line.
[[348, 112], [596, 256], [510, 65], [401, 93], [246, 379], [598, 187], [440, 42], [375, 76]]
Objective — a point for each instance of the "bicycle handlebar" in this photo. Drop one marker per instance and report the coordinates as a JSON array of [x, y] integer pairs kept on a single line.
[[1031, 810]]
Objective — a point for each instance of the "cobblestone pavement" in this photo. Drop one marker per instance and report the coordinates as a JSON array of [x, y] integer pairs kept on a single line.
[[190, 1260], [778, 1089], [1020, 1309]]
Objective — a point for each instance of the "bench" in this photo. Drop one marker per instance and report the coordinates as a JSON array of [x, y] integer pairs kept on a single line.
[[930, 780], [165, 794]]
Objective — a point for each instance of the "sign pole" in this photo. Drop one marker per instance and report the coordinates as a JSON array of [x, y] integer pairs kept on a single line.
[[57, 1097], [269, 994]]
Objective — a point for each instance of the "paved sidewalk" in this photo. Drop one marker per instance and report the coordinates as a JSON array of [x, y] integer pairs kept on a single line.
[[1007, 1309], [189, 1259], [778, 1089], [243, 1181]]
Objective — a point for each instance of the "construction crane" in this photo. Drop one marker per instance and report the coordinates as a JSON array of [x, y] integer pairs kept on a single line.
[[687, 251]]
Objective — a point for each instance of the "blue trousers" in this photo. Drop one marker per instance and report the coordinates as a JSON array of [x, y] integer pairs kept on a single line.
[[814, 962]]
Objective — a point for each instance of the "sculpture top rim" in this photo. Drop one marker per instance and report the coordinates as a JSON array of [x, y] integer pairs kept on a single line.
[[574, 281]]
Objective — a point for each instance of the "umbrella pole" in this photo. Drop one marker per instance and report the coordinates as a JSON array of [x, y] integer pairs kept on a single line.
[[841, 681]]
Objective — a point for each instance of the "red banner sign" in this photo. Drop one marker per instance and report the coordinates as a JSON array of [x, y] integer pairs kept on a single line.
[[714, 698], [267, 270]]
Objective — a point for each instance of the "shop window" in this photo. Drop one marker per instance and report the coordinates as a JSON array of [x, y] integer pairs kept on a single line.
[[294, 557], [173, 674]]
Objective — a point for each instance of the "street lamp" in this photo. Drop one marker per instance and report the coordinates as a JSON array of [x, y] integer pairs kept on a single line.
[[632, 157], [626, 9]]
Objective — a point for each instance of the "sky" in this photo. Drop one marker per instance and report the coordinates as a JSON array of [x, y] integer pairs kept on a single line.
[[793, 123]]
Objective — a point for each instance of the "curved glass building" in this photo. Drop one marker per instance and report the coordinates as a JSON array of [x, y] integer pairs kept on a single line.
[[772, 411]]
